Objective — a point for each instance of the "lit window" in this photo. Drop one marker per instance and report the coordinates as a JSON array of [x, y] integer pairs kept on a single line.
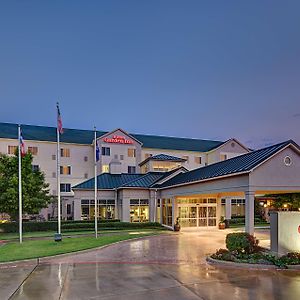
[[12, 149], [198, 160], [65, 152], [131, 152], [65, 187], [33, 150], [65, 170], [223, 157], [186, 158], [131, 169], [106, 151], [105, 169]]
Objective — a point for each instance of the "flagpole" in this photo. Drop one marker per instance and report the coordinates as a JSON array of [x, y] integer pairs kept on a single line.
[[20, 187], [95, 170], [58, 176]]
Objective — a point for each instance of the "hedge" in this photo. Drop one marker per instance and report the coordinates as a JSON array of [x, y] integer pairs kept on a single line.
[[74, 225]]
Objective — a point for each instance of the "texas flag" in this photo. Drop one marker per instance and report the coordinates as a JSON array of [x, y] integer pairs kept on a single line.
[[97, 151], [22, 145], [59, 121]]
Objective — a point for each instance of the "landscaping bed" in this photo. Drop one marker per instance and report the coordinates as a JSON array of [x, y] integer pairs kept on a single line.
[[243, 248]]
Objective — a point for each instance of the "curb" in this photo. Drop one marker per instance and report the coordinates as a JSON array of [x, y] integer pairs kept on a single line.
[[248, 266]]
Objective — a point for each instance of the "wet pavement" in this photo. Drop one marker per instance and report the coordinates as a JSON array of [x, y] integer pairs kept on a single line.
[[162, 267]]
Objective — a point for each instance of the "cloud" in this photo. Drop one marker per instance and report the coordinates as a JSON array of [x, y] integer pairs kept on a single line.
[[297, 115]]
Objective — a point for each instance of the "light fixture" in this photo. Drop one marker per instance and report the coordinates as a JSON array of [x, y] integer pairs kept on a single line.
[[285, 205]]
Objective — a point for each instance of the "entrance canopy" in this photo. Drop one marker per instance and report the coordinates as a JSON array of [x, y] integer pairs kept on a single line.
[[271, 170]]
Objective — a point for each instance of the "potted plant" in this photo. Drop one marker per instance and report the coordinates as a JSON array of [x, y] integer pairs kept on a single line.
[[222, 223], [177, 225]]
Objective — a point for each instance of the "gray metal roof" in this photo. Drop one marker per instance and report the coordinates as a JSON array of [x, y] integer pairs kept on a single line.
[[77, 136], [239, 164], [163, 157]]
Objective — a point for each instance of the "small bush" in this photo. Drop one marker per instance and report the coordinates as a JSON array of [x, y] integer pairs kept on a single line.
[[241, 242], [223, 254], [74, 225], [292, 258]]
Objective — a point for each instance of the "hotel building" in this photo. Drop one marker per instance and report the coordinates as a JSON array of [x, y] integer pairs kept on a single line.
[[153, 178]]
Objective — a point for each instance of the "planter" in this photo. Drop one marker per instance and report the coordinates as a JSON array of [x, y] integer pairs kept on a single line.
[[176, 227], [222, 226]]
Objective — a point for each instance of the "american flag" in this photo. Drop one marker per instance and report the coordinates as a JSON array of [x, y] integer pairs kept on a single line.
[[59, 121]]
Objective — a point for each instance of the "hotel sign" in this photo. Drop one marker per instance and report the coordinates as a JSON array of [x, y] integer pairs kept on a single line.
[[117, 139]]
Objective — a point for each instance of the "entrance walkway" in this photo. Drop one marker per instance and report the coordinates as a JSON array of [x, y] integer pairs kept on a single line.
[[170, 266]]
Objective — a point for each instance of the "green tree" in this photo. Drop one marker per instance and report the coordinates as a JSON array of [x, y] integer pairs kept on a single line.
[[292, 200], [35, 192]]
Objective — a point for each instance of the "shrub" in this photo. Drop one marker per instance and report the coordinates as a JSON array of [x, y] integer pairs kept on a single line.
[[241, 242], [74, 225], [292, 258], [222, 254]]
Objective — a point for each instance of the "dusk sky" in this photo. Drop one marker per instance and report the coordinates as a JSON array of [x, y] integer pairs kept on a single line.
[[202, 69]]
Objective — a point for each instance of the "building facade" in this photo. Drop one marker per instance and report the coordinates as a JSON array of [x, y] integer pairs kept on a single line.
[[121, 153]]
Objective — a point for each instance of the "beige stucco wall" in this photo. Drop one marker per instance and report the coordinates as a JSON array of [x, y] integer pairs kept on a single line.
[[120, 149], [231, 149], [274, 175], [223, 186]]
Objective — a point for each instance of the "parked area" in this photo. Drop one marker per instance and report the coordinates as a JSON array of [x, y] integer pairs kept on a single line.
[[158, 267]]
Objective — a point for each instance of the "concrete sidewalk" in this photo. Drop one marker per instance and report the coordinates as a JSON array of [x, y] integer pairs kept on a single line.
[[158, 267]]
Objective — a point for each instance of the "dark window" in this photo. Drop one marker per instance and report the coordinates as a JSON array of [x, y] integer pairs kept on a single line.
[[106, 151], [68, 209], [131, 170], [35, 168], [65, 187]]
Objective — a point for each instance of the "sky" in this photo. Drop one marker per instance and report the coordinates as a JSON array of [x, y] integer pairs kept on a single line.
[[200, 69]]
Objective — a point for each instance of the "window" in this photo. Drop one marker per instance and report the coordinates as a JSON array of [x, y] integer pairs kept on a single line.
[[147, 155], [106, 151], [33, 150], [35, 168], [131, 169], [85, 158], [54, 174], [65, 187], [65, 170], [139, 210], [131, 152], [121, 157], [12, 149], [198, 160], [223, 157], [69, 211], [86, 175], [105, 208], [186, 158], [53, 157], [65, 152], [105, 169]]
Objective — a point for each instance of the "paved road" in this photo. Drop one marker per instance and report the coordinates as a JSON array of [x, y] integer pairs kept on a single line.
[[161, 267]]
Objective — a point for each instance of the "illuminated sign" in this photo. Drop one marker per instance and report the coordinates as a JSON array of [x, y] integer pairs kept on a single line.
[[117, 139]]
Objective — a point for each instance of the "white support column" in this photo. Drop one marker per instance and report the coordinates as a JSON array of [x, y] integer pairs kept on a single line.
[[228, 208], [161, 210], [218, 212], [249, 211], [174, 211]]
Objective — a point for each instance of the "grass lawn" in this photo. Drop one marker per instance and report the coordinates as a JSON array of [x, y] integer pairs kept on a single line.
[[39, 248], [36, 234], [255, 225]]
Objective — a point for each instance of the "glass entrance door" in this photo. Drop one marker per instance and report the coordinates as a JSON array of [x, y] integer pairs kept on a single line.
[[197, 216]]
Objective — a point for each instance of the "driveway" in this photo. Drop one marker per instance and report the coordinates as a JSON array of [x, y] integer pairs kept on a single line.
[[170, 266]]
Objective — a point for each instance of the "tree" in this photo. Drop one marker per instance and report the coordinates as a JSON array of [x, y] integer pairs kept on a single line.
[[35, 192], [291, 200]]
